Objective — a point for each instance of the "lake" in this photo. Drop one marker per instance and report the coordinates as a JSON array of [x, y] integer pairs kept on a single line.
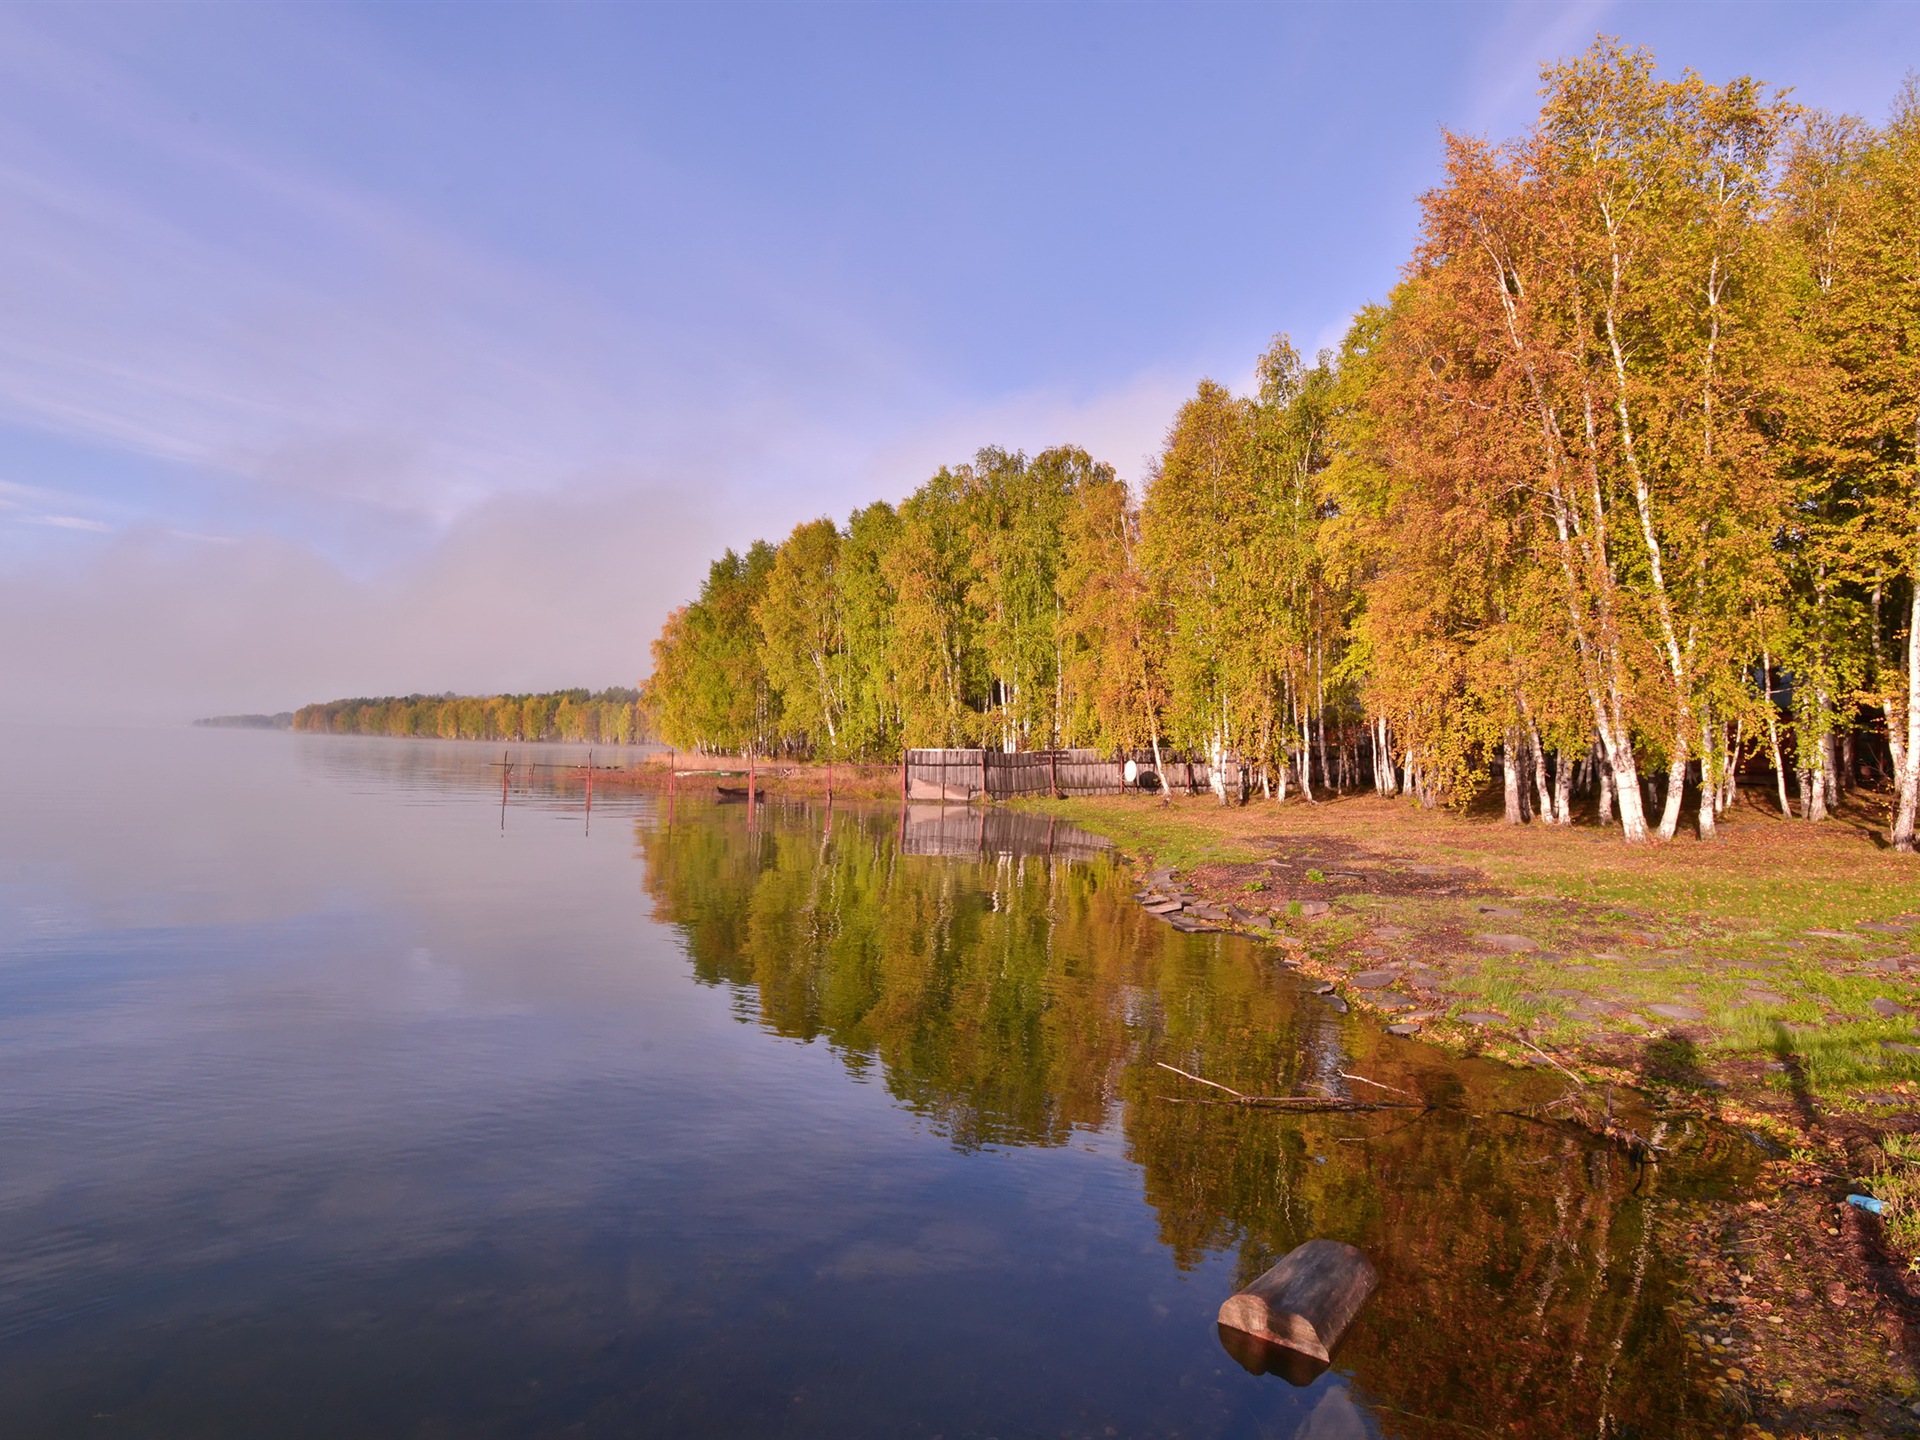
[[344, 1092]]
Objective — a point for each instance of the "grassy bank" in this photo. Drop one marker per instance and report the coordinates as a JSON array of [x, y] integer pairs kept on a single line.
[[1766, 981], [1781, 949]]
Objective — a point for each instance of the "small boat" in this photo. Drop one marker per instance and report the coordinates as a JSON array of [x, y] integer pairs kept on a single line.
[[739, 792]]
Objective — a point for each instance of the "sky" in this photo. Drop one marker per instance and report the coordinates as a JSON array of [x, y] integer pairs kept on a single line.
[[367, 349]]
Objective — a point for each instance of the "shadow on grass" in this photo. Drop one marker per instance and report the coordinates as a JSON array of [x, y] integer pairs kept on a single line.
[[1795, 1067], [1673, 1060]]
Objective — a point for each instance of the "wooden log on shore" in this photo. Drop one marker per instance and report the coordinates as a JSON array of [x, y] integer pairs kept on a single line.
[[1306, 1302]]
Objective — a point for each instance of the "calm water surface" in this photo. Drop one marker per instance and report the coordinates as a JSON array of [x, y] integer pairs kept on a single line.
[[339, 1097]]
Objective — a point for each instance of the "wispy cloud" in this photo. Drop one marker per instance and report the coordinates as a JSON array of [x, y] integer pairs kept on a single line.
[[1502, 80], [72, 522], [298, 332]]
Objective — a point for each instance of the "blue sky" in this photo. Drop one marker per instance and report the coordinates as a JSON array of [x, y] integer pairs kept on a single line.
[[355, 348]]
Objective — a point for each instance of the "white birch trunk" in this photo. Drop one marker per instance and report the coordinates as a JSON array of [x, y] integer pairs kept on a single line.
[[1709, 784], [1543, 804], [1676, 785], [1773, 734], [1730, 782], [1908, 802], [1516, 792]]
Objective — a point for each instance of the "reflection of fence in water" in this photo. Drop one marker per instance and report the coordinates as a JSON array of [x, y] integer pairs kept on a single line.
[[959, 831], [963, 774]]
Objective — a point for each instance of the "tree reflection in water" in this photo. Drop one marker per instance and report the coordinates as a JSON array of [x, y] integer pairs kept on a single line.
[[1011, 998]]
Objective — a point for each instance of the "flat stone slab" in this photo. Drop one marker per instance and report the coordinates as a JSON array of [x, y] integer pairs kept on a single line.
[[1314, 909], [1393, 1002], [1339, 1005], [1481, 1017], [1512, 944], [1322, 988], [1391, 932], [1833, 935], [1504, 912], [1189, 926], [1164, 907], [1883, 927], [1404, 1029], [1898, 1047], [1376, 979], [1884, 1007], [1763, 997], [1676, 1012]]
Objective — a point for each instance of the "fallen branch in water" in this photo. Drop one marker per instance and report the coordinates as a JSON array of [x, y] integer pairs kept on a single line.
[[1636, 1145], [1199, 1080], [1377, 1085], [1296, 1104], [1551, 1061], [1306, 1103]]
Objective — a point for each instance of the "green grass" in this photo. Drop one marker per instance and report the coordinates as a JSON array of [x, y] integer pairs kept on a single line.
[[1896, 1184], [1145, 828], [1735, 915]]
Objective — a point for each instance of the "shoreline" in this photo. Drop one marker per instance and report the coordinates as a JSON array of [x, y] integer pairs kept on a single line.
[[1800, 1308], [1731, 983]]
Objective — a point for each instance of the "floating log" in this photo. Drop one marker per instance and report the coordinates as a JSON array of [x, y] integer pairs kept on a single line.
[[1306, 1302], [1257, 1357]]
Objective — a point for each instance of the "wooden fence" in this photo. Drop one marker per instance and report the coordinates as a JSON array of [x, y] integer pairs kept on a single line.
[[963, 775]]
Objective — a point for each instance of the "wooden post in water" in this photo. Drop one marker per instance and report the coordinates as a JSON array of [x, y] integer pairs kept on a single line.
[[1306, 1302]]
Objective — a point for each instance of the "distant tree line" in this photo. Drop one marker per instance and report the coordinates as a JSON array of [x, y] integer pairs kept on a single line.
[[610, 717], [1618, 488], [283, 720]]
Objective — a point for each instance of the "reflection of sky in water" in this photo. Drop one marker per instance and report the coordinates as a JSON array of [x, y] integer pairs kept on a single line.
[[330, 1107]]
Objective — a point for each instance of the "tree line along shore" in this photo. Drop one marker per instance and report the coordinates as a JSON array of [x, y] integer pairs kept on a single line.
[[611, 717], [1616, 491]]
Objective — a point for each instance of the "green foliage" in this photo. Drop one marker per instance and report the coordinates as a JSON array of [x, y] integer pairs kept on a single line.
[[709, 689], [1627, 465]]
